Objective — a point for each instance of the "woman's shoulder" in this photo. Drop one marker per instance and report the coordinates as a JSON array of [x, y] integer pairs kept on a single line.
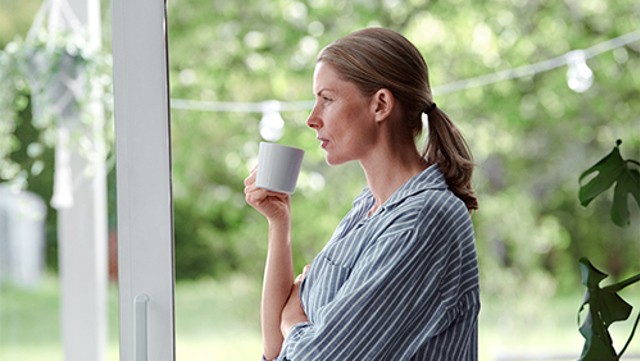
[[437, 215], [432, 203]]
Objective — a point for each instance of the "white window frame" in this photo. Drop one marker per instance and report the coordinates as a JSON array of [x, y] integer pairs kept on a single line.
[[143, 166]]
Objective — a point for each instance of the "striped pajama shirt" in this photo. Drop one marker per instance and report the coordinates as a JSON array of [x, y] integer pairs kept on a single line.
[[401, 284]]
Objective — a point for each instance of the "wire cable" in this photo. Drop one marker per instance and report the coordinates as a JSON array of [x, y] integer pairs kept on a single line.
[[483, 80]]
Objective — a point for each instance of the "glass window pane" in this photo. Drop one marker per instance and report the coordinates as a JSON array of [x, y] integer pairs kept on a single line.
[[35, 96]]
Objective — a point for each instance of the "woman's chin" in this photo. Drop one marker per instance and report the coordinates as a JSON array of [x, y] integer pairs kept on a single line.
[[334, 160]]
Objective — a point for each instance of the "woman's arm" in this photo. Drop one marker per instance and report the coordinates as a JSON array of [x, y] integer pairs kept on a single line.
[[278, 282], [278, 273], [293, 313]]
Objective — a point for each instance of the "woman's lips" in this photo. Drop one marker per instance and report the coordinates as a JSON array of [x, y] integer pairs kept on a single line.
[[324, 142]]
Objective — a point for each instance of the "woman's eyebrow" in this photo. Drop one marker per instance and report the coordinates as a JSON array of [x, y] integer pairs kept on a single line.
[[323, 90]]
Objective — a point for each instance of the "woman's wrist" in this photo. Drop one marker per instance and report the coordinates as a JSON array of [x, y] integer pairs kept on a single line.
[[283, 219], [280, 230]]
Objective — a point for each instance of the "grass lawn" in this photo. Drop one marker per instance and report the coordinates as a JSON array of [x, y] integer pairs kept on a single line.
[[218, 320]]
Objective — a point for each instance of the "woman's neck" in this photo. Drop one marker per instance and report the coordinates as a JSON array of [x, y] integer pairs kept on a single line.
[[388, 168]]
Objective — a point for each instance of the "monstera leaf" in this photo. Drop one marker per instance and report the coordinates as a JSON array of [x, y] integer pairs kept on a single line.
[[613, 169], [605, 308]]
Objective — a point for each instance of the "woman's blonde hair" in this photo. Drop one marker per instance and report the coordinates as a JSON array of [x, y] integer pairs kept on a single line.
[[377, 58]]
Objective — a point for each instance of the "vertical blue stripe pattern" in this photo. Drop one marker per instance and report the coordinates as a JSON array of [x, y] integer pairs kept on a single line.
[[401, 284]]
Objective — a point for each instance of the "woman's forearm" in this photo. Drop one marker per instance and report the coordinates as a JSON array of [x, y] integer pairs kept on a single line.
[[278, 281]]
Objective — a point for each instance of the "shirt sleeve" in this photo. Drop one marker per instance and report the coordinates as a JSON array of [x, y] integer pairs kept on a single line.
[[402, 292]]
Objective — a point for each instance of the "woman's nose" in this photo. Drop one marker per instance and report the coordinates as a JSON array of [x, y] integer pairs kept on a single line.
[[313, 121]]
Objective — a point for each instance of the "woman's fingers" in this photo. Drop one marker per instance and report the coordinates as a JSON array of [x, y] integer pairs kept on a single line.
[[257, 195], [250, 187], [251, 179], [303, 274], [273, 205]]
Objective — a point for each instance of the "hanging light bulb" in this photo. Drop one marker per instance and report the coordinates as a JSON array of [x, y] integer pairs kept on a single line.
[[579, 75], [271, 124]]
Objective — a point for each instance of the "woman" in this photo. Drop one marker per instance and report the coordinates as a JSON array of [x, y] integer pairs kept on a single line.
[[399, 279]]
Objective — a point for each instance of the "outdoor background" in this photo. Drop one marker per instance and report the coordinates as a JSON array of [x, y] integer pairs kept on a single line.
[[532, 137]]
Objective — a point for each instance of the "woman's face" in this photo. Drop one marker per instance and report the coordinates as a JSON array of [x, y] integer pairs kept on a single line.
[[342, 117]]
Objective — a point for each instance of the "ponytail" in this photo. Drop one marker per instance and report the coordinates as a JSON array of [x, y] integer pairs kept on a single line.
[[447, 148]]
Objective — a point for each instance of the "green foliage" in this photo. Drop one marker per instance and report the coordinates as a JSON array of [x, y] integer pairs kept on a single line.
[[16, 17], [39, 160], [36, 74], [605, 308], [530, 136], [613, 169], [26, 147], [216, 233], [32, 101]]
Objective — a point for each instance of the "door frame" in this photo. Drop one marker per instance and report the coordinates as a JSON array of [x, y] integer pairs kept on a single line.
[[143, 169]]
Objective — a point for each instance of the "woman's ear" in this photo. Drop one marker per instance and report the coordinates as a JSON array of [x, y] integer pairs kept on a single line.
[[382, 104]]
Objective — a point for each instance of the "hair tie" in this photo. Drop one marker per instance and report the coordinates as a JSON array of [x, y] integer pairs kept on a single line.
[[431, 108]]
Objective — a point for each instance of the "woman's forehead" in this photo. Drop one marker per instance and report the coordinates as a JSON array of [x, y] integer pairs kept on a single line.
[[326, 78]]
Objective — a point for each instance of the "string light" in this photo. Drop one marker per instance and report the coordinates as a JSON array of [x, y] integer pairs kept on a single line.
[[579, 75], [579, 79], [271, 124]]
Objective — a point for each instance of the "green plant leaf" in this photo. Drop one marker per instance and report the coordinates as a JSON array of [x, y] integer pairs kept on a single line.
[[628, 183], [605, 308], [612, 169], [591, 276], [608, 168], [613, 308], [597, 350]]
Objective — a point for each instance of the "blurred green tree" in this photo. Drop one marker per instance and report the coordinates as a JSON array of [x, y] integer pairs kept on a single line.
[[531, 136]]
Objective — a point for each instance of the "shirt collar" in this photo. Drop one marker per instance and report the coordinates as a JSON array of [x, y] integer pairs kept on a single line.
[[430, 178]]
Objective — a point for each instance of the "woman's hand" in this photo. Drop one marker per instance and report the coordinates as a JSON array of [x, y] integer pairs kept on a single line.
[[293, 313], [273, 205]]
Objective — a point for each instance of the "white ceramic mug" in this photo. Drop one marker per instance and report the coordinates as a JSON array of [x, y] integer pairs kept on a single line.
[[278, 167]]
